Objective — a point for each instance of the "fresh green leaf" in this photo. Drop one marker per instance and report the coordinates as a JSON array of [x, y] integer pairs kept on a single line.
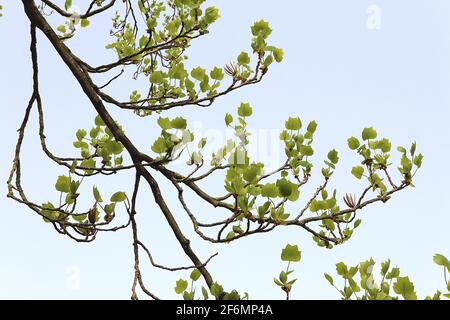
[[181, 286], [269, 190], [118, 197], [358, 172], [440, 260], [293, 124], [165, 123], [228, 119], [353, 143], [97, 195], [405, 287], [333, 156], [195, 274], [198, 74], [369, 133], [243, 58], [291, 253], [245, 110], [63, 184], [217, 74], [179, 123]]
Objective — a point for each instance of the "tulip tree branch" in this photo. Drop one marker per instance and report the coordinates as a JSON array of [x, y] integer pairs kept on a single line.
[[256, 202]]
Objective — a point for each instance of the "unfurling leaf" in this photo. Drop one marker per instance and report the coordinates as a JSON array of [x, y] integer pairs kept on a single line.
[[291, 254]]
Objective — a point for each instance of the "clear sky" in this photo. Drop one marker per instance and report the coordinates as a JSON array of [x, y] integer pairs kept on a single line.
[[338, 70]]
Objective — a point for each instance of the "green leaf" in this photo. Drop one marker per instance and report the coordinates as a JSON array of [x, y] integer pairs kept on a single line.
[[188, 296], [401, 149], [405, 287], [181, 286], [358, 172], [283, 277], [190, 85], [413, 149], [333, 156], [99, 121], [94, 132], [73, 167], [61, 28], [88, 165], [384, 145], [278, 54], [369, 133], [231, 235], [50, 214], [177, 72], [81, 133], [114, 147], [352, 283], [440, 260], [418, 160], [385, 267], [81, 145], [284, 188], [109, 208], [306, 150], [295, 193], [395, 272], [165, 123], [119, 197], [80, 218], [314, 206], [143, 41], [97, 195], [268, 61], [204, 85], [160, 146], [63, 184], [406, 164], [269, 190], [195, 274], [211, 14], [251, 173], [312, 126], [202, 143], [216, 290], [217, 74], [243, 58], [232, 296], [261, 28], [263, 209], [353, 143], [245, 110], [341, 269], [198, 73], [228, 119], [68, 4], [291, 254], [157, 77], [84, 23], [329, 278], [179, 123], [205, 293], [293, 124]]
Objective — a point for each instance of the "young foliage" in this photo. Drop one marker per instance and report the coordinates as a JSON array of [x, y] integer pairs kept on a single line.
[[151, 39], [289, 254], [361, 282]]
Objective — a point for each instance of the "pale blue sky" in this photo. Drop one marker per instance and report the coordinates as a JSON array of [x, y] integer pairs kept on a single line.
[[336, 71]]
